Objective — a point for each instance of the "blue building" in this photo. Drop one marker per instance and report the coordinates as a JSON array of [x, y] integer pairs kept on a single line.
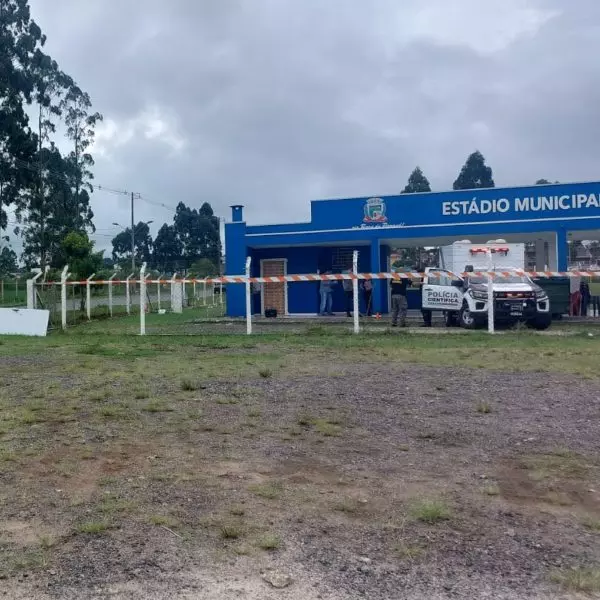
[[549, 215]]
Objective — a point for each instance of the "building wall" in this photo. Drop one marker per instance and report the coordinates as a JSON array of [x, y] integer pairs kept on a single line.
[[369, 223], [303, 297]]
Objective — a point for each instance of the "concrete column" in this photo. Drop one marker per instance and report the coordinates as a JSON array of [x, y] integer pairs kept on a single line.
[[378, 284], [540, 255], [562, 250]]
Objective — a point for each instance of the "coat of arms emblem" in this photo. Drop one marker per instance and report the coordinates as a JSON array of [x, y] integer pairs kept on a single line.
[[375, 211]]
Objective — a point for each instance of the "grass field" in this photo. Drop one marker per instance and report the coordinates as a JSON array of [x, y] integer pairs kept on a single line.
[[192, 466]]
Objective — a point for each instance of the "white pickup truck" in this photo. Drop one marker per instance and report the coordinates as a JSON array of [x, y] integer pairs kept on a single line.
[[463, 297]]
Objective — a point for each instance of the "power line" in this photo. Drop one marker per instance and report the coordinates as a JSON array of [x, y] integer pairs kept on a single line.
[[159, 204]]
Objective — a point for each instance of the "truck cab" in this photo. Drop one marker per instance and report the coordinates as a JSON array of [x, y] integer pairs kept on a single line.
[[462, 293]]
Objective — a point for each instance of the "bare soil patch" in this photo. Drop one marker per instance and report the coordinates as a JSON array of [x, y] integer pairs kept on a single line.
[[358, 478]]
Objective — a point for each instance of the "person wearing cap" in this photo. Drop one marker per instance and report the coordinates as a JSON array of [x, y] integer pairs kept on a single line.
[[399, 301]]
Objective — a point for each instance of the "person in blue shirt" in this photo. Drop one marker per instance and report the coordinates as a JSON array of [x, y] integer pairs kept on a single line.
[[326, 292]]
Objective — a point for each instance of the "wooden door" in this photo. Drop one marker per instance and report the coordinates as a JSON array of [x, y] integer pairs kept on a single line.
[[274, 295]]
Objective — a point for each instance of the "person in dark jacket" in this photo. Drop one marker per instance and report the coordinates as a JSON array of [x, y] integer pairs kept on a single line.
[[584, 290], [399, 301]]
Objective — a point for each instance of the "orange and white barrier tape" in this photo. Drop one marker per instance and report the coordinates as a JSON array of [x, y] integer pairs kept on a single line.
[[338, 277]]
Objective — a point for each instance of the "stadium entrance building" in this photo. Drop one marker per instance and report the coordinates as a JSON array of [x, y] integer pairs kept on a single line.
[[549, 215]]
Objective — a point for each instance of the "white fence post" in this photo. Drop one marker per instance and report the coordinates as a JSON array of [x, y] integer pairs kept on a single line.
[[355, 291], [128, 295], [110, 294], [490, 298], [63, 296], [204, 292], [88, 297], [194, 290], [160, 276], [248, 297], [143, 299], [221, 293], [31, 290], [176, 295]]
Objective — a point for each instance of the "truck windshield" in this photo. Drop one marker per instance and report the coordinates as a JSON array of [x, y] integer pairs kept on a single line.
[[504, 279]]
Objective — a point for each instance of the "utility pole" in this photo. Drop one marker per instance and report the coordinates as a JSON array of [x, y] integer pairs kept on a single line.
[[133, 197]]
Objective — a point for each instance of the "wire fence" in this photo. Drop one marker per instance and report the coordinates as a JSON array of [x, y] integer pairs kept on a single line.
[[13, 292], [91, 300]]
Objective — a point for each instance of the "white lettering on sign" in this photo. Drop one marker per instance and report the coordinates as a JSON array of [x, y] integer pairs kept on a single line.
[[527, 204], [443, 297]]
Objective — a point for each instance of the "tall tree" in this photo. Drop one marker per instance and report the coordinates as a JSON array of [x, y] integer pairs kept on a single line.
[[474, 174], [143, 244], [80, 255], [167, 253], [8, 261], [48, 215], [81, 123], [30, 164], [21, 41], [198, 232], [417, 182]]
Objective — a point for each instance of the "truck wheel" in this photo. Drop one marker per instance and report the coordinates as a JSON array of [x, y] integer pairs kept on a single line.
[[540, 322], [451, 319], [466, 319]]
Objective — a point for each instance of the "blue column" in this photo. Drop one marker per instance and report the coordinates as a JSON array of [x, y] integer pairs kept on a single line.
[[562, 250], [376, 268], [235, 264]]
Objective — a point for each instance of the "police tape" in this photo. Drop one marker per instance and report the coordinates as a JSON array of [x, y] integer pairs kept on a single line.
[[412, 275]]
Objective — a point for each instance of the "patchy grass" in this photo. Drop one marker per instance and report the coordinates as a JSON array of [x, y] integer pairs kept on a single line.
[[326, 428], [163, 520], [578, 579], [157, 406], [187, 385], [93, 527], [268, 541], [112, 504], [265, 373], [483, 408], [24, 559], [560, 463], [347, 505], [491, 490], [231, 531], [254, 413], [409, 552], [270, 490], [112, 411], [431, 511], [591, 523]]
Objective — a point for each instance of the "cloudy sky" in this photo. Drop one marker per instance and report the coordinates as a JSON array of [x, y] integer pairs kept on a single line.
[[271, 103]]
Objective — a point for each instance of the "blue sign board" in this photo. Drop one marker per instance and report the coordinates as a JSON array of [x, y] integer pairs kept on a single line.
[[471, 207]]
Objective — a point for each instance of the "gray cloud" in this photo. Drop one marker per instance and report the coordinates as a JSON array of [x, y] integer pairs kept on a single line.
[[270, 103]]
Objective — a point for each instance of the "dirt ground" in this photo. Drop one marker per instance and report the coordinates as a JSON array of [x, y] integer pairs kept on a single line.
[[190, 472]]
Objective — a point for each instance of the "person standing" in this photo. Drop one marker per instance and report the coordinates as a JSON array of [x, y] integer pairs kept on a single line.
[[368, 292], [584, 290], [326, 292], [399, 301], [349, 295], [425, 312]]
